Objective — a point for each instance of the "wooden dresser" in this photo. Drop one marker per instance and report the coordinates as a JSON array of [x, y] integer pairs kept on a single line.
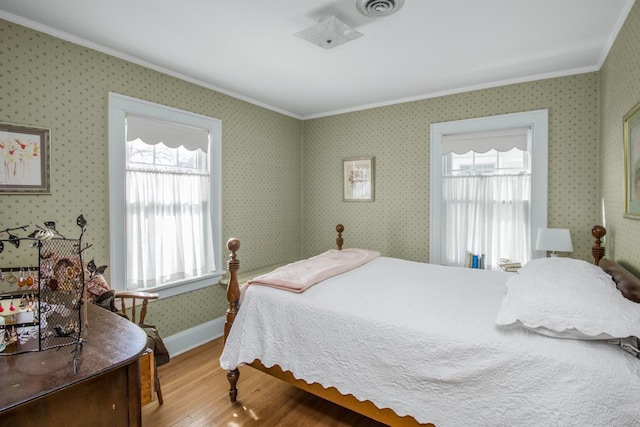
[[40, 388]]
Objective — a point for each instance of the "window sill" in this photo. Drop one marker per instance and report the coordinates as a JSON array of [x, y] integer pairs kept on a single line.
[[183, 286]]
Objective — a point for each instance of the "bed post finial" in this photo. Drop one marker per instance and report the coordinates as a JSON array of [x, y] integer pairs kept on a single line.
[[597, 250], [233, 296], [339, 241]]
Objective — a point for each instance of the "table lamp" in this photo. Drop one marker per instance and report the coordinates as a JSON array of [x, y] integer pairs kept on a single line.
[[554, 240]]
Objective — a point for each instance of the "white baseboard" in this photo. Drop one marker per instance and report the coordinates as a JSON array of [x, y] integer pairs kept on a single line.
[[194, 337]]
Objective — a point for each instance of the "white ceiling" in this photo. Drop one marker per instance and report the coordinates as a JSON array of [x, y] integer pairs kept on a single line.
[[246, 48]]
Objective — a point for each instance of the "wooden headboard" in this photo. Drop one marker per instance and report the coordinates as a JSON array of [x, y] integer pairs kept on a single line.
[[597, 250], [625, 281]]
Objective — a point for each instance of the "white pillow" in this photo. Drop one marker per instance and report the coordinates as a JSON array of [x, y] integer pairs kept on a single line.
[[568, 298]]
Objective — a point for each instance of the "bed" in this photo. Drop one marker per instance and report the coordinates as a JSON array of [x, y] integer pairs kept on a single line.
[[408, 343]]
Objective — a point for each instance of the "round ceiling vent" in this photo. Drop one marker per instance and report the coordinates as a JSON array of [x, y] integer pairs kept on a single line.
[[378, 8]]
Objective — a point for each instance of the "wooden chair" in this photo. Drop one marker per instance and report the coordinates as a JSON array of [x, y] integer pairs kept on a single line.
[[128, 306]]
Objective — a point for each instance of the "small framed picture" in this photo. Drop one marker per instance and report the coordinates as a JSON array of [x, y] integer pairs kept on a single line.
[[358, 177], [24, 159], [631, 126]]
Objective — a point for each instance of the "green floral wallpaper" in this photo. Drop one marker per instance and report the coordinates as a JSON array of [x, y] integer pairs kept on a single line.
[[619, 93], [397, 222]]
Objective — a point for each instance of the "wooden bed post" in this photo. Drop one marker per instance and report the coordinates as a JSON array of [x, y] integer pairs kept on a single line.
[[597, 251], [339, 241], [233, 296]]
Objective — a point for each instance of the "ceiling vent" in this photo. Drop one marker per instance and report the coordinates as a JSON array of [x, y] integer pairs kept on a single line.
[[378, 8]]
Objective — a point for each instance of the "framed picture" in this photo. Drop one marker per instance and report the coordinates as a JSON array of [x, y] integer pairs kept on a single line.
[[358, 175], [24, 159], [631, 126]]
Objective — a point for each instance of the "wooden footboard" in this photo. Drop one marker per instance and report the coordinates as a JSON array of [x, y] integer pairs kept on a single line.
[[366, 408], [233, 296]]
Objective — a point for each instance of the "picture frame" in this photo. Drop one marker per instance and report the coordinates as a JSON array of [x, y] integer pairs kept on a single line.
[[24, 159], [358, 179], [631, 132]]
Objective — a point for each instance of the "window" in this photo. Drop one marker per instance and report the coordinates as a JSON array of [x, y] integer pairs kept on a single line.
[[488, 187], [485, 204], [165, 191]]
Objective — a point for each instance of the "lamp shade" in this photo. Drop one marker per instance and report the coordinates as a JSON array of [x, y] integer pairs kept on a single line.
[[554, 240]]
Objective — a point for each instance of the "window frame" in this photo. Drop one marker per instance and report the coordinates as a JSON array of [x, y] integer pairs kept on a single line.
[[538, 122], [119, 106]]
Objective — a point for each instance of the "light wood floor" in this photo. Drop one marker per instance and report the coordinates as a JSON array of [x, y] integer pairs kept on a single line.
[[195, 391]]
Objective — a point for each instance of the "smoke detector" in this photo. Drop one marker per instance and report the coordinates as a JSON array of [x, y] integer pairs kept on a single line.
[[378, 8]]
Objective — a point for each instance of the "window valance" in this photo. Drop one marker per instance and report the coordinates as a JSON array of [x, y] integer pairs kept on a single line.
[[481, 142], [173, 135]]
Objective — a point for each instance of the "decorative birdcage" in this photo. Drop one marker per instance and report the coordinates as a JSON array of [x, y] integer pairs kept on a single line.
[[43, 306]]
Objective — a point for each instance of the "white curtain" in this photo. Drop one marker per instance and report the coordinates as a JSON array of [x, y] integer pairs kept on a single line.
[[166, 228], [486, 215]]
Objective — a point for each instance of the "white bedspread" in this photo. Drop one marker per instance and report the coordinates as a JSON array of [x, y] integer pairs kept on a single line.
[[421, 339]]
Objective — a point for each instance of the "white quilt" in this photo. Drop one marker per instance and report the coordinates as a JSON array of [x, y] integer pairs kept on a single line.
[[422, 340]]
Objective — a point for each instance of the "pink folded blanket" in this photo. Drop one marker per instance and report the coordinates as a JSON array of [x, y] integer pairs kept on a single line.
[[300, 275]]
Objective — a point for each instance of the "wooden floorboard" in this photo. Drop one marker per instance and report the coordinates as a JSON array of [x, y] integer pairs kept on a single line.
[[195, 391]]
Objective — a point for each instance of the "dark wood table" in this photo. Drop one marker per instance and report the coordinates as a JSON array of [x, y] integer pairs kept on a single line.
[[40, 388]]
